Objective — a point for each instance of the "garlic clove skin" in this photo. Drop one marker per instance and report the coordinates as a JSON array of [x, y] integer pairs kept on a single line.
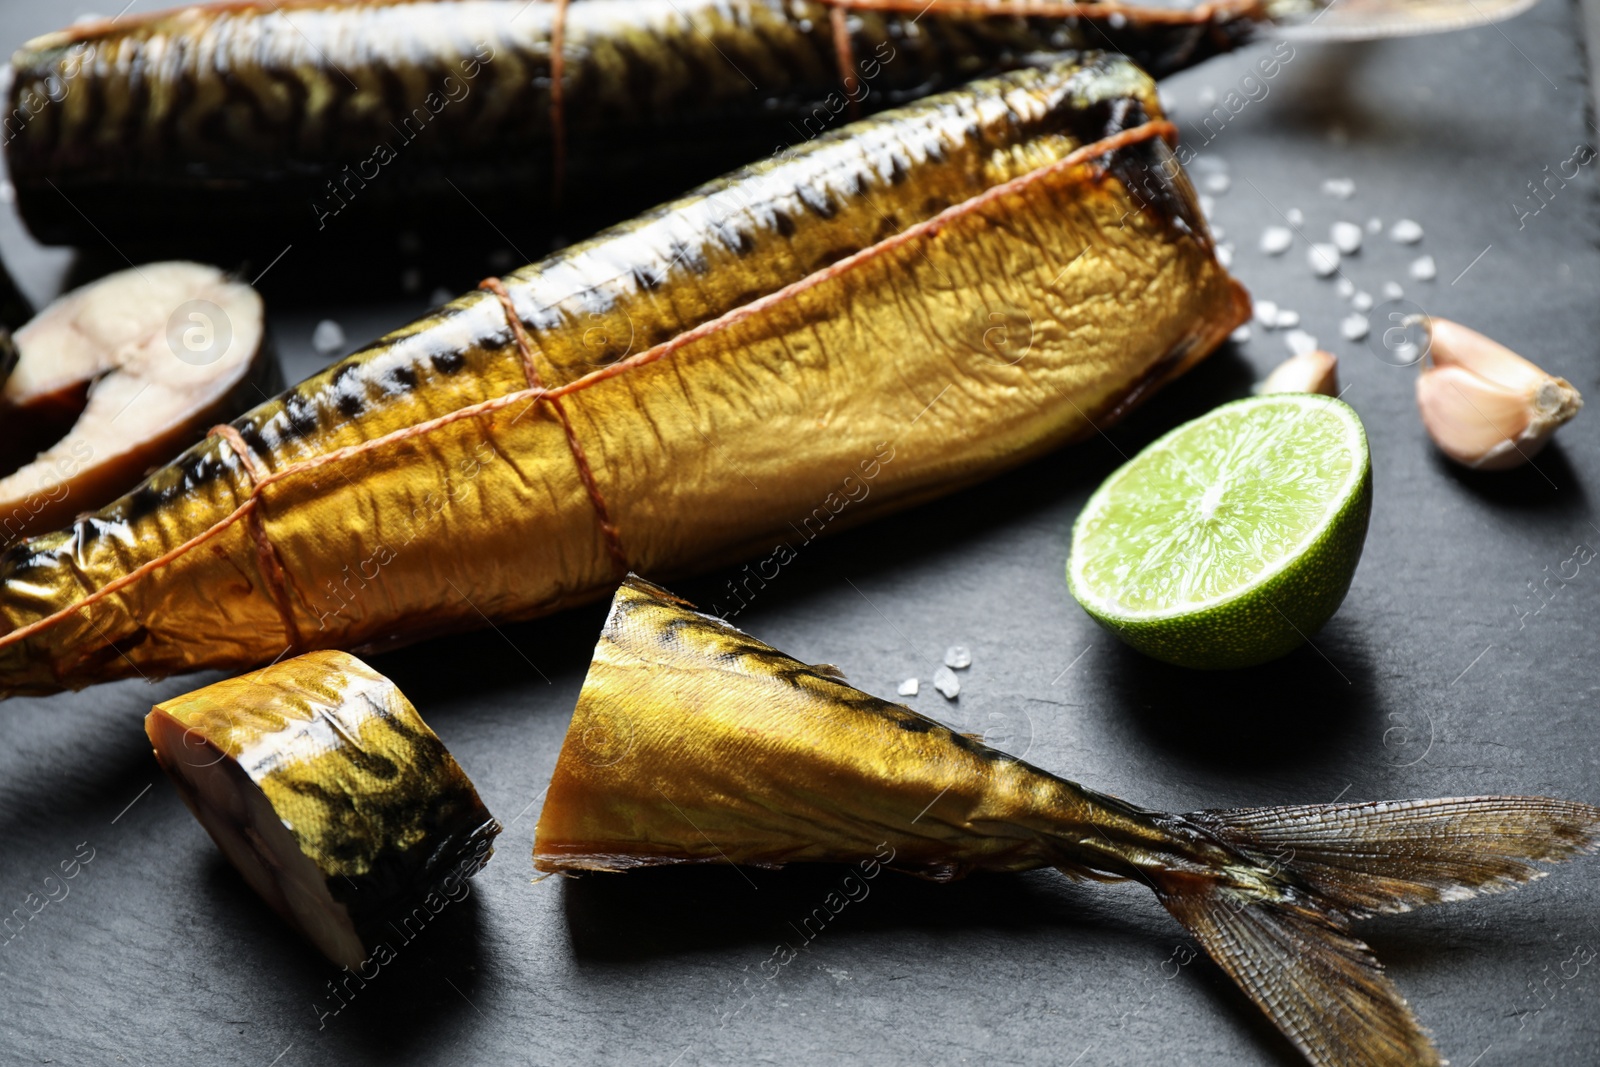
[[1309, 372], [1485, 406]]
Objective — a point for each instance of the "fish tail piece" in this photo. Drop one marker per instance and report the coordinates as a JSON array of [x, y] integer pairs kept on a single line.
[[1277, 919]]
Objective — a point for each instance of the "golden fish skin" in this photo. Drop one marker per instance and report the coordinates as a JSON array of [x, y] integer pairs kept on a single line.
[[324, 787], [917, 303], [383, 105], [695, 743]]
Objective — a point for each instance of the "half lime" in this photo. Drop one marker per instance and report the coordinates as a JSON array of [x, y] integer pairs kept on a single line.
[[1231, 539]]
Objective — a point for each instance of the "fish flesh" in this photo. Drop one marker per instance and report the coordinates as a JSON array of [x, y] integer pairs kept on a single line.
[[117, 377], [323, 786], [889, 313], [695, 743], [230, 121]]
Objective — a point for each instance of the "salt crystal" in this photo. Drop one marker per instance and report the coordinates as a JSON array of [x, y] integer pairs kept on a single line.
[[958, 656], [1207, 205], [1406, 232], [327, 338], [1324, 259], [1275, 240], [1339, 188], [1217, 232], [1353, 327], [1218, 183], [8, 193], [1295, 216], [1361, 301], [908, 688], [1346, 237], [945, 681], [1241, 335], [1424, 269], [1208, 96], [1300, 342], [1287, 319], [1225, 254], [1374, 225], [1392, 291], [1345, 288], [1267, 313]]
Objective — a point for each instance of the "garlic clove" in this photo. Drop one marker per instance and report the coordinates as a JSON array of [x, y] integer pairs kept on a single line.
[[1310, 372], [1485, 406], [1452, 344]]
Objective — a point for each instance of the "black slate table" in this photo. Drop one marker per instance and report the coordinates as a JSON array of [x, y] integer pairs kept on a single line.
[[1437, 677]]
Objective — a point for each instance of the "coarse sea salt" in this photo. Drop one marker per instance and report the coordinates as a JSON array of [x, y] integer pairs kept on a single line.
[[908, 688], [1241, 335], [946, 682], [1353, 327], [1287, 320], [1424, 269], [1406, 232], [1362, 301], [1300, 342], [1392, 291], [1275, 240], [958, 657], [1324, 259], [1346, 237], [1267, 313], [328, 337], [1339, 188]]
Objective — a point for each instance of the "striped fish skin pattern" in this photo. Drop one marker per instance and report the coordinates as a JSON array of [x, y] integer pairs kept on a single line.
[[419, 487], [254, 112], [369, 793], [694, 742]]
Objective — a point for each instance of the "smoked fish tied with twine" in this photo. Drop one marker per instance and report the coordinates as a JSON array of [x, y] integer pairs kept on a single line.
[[941, 292]]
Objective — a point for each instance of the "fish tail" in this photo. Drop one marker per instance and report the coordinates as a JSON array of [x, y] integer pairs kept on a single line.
[[1276, 917]]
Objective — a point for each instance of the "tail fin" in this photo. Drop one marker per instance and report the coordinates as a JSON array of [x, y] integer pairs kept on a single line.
[[1278, 923]]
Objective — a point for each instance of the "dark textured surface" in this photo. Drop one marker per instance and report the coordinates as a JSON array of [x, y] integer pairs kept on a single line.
[[1426, 683]]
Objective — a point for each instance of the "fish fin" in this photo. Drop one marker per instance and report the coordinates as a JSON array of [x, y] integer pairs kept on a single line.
[[1320, 986], [831, 671], [1278, 921], [1388, 857], [1365, 20]]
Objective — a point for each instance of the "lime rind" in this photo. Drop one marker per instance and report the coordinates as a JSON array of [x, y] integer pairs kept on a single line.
[[1271, 610]]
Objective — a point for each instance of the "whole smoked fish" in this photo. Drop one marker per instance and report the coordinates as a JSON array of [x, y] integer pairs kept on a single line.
[[283, 118], [933, 295]]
